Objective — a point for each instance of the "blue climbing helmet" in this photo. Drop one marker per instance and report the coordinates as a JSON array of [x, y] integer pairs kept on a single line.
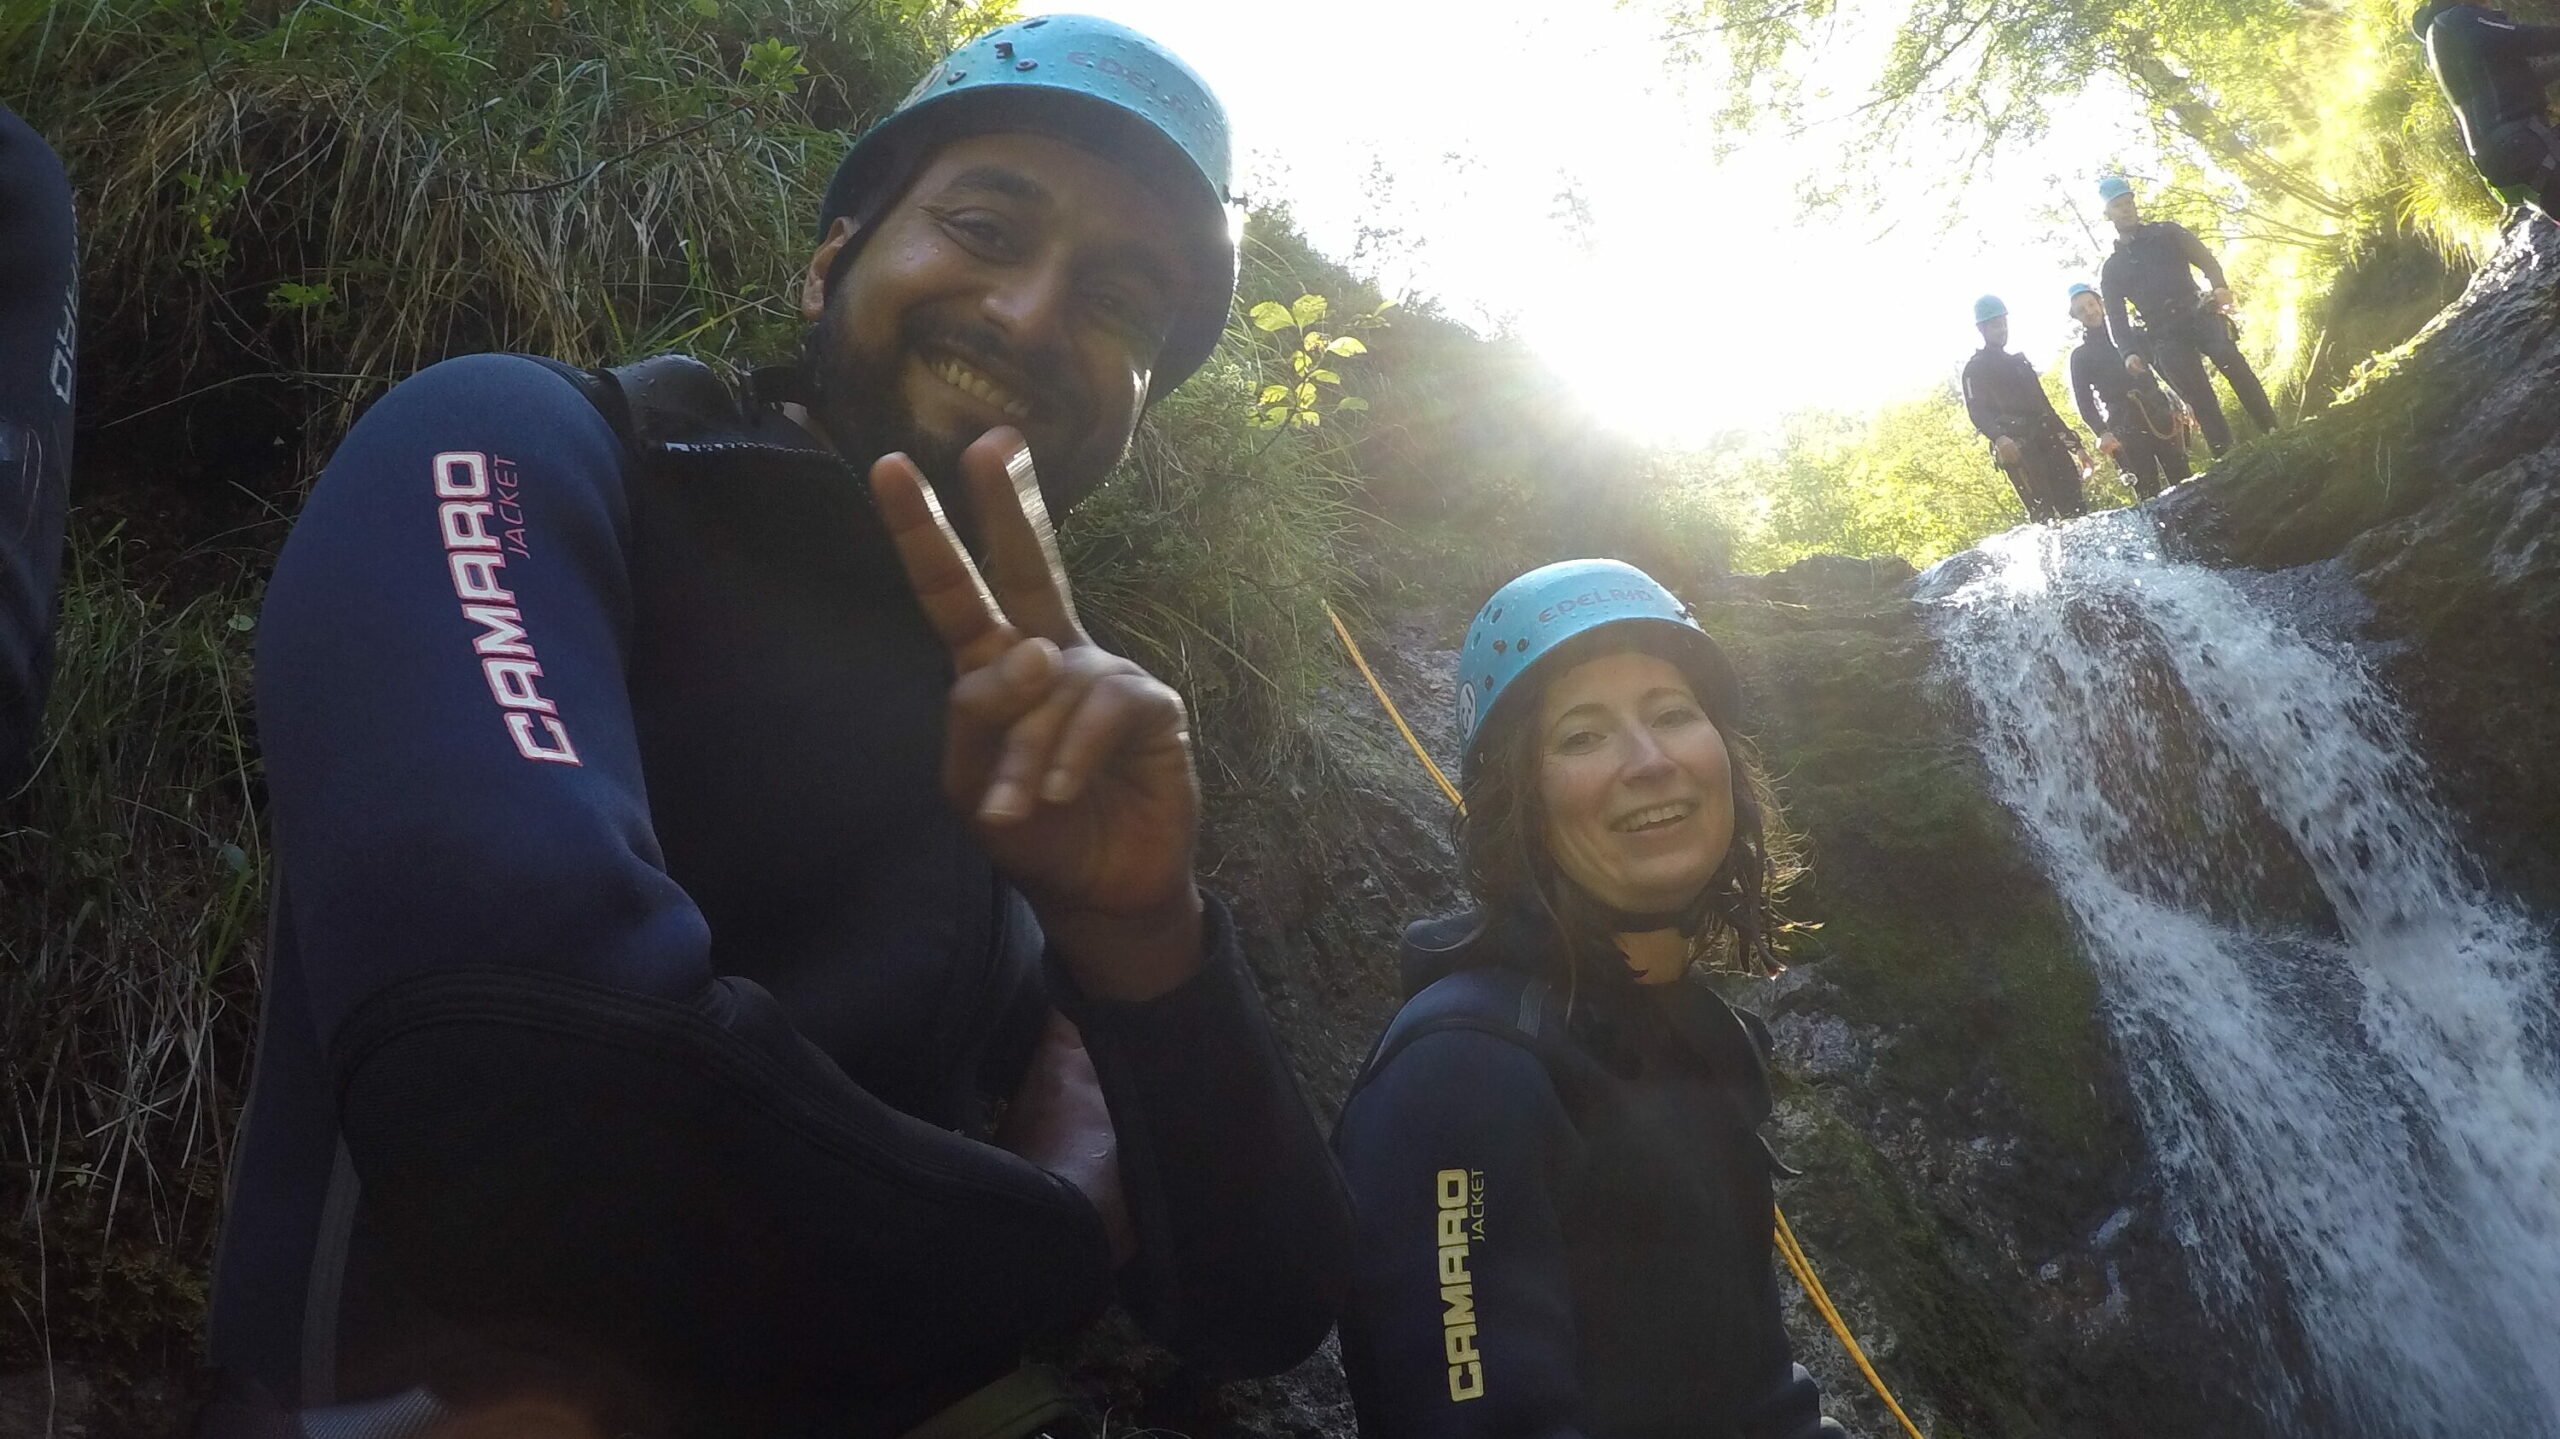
[[2110, 186], [1519, 631], [1107, 88], [1989, 307], [2077, 290]]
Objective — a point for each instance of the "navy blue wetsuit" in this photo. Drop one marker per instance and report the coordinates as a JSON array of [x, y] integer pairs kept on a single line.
[[2005, 400], [1565, 1208], [2149, 270], [636, 991], [2494, 71], [2114, 400], [38, 326]]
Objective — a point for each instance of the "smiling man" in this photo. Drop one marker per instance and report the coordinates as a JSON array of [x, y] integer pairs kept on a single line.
[[739, 968]]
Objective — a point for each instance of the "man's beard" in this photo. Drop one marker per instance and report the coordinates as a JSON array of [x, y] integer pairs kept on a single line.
[[860, 402]]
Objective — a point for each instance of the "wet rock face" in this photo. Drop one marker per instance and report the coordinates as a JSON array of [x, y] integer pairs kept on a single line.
[[2435, 488]]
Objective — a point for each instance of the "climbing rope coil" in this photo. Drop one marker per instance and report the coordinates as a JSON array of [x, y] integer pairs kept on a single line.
[[1786, 1235]]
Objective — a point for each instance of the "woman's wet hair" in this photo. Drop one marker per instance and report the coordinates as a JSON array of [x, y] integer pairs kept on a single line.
[[1503, 859]]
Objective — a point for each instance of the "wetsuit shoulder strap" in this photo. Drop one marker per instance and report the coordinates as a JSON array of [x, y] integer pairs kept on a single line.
[[1518, 1008], [650, 402]]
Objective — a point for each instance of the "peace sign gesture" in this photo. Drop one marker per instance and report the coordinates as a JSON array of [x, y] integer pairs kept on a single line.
[[1073, 764]]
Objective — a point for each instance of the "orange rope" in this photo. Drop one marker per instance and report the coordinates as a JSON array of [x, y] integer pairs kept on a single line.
[[1785, 1236]]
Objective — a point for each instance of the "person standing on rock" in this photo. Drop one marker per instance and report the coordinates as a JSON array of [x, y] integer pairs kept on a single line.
[[2495, 71], [2136, 424], [1565, 1204], [2042, 456], [39, 320], [699, 809], [2180, 330]]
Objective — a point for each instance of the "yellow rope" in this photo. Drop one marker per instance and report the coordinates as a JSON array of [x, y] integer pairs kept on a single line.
[[1786, 1236], [1353, 647]]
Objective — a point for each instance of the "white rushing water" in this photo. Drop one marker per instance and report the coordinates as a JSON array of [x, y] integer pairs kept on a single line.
[[2346, 1052]]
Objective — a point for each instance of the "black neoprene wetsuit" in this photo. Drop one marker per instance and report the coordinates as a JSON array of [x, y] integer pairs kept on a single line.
[[2494, 71], [2005, 400], [39, 312], [2114, 400], [1565, 1207], [2149, 270], [634, 987]]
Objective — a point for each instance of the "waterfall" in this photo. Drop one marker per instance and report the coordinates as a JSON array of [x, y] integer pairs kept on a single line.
[[2344, 1049]]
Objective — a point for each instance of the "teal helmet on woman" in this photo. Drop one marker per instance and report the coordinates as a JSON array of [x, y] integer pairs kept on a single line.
[[1100, 85], [1536, 623]]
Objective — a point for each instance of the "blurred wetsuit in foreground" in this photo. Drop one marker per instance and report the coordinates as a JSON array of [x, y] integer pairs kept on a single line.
[[38, 328], [2495, 71]]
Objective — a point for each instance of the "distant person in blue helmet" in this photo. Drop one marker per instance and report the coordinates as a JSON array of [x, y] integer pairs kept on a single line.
[[39, 321], [1565, 1202], [740, 967], [2041, 455], [2136, 423], [2181, 329], [2496, 71]]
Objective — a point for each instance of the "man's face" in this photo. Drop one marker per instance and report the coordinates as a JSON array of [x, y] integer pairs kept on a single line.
[[2124, 212], [1018, 281], [2088, 310], [1995, 332]]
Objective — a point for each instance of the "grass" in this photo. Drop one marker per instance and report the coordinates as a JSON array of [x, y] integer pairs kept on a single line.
[[135, 879]]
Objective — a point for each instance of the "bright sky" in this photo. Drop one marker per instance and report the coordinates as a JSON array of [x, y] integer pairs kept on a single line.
[[1692, 299]]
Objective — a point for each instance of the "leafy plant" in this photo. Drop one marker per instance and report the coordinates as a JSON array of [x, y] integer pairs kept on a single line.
[[1297, 396]]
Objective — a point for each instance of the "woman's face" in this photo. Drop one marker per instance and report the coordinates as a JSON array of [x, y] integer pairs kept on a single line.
[[1636, 784]]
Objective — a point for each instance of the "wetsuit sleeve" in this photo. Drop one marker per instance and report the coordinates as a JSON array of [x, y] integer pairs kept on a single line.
[[2517, 38], [1461, 1159], [38, 318], [2084, 389], [2194, 252], [1976, 408], [1243, 1224], [559, 1114], [2128, 341]]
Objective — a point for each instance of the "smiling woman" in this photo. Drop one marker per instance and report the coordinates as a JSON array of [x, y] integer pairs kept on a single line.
[[1561, 1063]]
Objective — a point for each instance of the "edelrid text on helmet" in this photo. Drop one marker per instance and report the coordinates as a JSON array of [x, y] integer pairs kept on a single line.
[[1101, 85], [1527, 619]]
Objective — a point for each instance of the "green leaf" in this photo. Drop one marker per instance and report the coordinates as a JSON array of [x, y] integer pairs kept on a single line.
[[1276, 413], [1347, 345], [1271, 315], [1308, 418], [1273, 394], [1352, 402], [1307, 396], [1308, 310], [1325, 377], [1299, 362], [707, 9]]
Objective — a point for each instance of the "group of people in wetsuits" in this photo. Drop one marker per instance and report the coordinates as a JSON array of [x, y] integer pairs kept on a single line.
[[2146, 320], [739, 966], [2143, 322]]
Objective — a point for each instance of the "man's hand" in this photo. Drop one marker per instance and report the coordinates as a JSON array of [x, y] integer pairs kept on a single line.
[[1058, 1121], [2108, 444], [2005, 450], [2222, 300], [2137, 364], [1072, 764]]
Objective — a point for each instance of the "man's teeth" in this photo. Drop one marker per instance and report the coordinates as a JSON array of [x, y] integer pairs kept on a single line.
[[1659, 814], [961, 377]]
